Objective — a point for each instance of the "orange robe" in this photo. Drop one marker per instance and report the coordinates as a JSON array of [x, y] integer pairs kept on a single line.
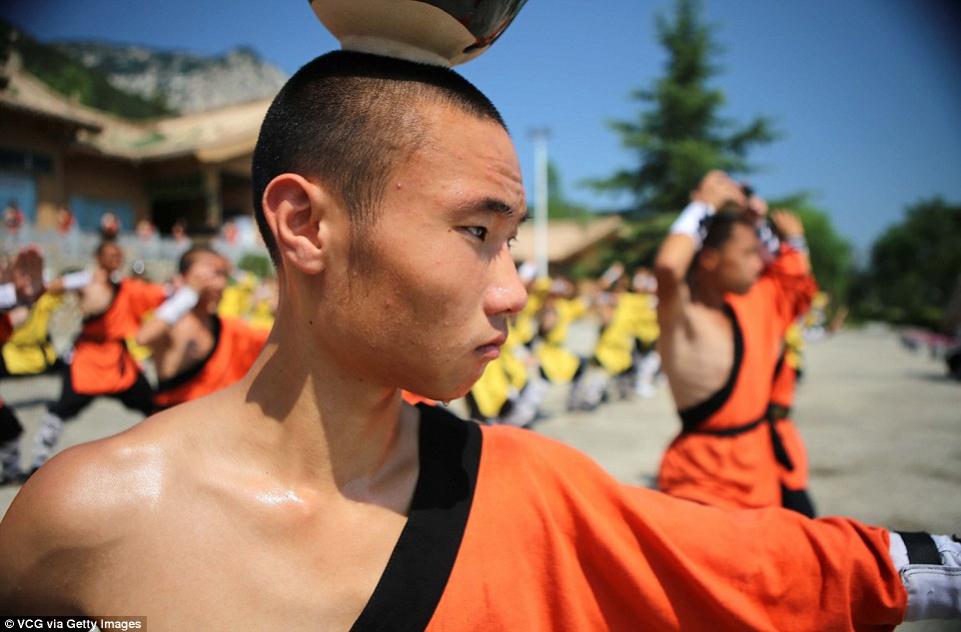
[[725, 454], [236, 346], [101, 363], [509, 530], [794, 473]]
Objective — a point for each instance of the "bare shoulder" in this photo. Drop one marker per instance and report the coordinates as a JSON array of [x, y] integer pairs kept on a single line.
[[82, 505]]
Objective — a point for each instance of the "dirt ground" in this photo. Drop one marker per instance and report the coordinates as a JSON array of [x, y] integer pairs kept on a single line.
[[882, 425]]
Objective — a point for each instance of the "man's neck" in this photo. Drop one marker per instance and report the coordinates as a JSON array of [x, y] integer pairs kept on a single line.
[[204, 313], [323, 425], [706, 293]]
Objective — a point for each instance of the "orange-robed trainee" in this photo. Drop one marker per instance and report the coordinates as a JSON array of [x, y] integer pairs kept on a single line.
[[724, 455], [101, 363]]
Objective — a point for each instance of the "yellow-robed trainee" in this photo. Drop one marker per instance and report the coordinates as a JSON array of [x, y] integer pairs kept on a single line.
[[645, 320], [503, 377], [29, 350], [615, 346], [526, 321], [558, 363], [238, 298]]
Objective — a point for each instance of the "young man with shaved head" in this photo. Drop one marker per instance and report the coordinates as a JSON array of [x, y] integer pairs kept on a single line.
[[723, 315], [307, 496]]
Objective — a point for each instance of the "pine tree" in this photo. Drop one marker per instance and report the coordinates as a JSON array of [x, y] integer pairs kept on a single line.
[[679, 135]]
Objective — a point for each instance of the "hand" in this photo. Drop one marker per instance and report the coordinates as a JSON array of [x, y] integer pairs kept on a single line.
[[756, 207], [18, 315], [27, 274], [787, 223], [719, 190]]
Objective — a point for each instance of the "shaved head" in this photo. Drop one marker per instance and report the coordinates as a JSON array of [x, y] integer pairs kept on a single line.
[[346, 119]]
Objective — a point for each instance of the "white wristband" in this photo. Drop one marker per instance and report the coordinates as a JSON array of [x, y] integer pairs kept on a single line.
[[768, 238], [8, 295], [799, 243], [76, 280], [175, 307], [933, 585], [690, 220]]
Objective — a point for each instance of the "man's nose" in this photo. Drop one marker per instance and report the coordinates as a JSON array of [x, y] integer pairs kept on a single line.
[[505, 294]]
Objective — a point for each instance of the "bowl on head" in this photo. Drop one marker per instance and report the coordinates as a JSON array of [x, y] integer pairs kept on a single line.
[[442, 32]]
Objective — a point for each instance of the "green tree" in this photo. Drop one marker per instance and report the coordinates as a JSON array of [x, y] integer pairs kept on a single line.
[[558, 206], [679, 135], [831, 254], [914, 266]]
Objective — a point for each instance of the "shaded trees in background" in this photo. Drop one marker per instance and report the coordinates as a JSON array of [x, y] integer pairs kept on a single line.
[[913, 268], [558, 205], [635, 245], [680, 135]]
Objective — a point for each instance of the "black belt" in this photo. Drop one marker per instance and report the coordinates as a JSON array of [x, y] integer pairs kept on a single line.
[[770, 417]]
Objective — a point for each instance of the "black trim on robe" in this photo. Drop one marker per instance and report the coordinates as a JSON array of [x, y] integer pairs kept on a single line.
[[416, 575], [921, 548], [693, 416], [190, 373]]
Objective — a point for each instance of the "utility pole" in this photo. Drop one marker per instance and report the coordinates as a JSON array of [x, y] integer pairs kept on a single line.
[[540, 136]]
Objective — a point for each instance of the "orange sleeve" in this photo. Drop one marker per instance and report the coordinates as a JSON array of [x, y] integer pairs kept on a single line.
[[790, 285], [245, 344], [144, 296], [631, 558]]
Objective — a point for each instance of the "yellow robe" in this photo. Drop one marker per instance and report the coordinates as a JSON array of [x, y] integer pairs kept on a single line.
[[28, 351], [557, 362]]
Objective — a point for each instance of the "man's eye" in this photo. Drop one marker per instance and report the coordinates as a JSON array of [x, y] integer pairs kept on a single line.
[[477, 231]]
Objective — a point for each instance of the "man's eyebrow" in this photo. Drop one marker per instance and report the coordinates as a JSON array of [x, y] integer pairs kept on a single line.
[[492, 205]]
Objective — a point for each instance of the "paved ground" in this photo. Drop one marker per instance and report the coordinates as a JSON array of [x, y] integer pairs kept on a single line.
[[883, 428]]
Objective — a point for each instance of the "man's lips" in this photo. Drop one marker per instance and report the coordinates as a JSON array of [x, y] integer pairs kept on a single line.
[[492, 347]]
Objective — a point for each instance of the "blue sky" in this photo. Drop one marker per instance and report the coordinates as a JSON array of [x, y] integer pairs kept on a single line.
[[867, 93]]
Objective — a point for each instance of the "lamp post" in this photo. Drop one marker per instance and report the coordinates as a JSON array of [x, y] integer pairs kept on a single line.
[[540, 136]]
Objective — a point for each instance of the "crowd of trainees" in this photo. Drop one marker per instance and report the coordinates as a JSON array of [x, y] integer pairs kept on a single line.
[[624, 362], [201, 330]]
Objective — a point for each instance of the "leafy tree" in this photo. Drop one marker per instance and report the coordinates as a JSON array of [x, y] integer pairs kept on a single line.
[[831, 254], [914, 266], [558, 206], [635, 245], [680, 135]]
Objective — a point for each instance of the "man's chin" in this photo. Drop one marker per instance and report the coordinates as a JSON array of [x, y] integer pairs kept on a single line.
[[442, 392]]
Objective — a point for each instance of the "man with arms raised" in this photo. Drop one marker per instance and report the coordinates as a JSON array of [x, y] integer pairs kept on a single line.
[[722, 323], [195, 351], [307, 496]]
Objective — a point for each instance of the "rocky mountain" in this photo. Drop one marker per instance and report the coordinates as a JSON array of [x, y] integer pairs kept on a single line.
[[183, 81]]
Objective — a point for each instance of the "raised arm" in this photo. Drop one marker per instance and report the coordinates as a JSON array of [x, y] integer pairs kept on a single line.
[[716, 191], [191, 285]]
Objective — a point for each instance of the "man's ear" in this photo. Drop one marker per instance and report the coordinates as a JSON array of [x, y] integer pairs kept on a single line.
[[709, 258], [297, 212]]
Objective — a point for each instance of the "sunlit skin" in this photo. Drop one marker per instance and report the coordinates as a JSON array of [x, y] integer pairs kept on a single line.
[[276, 502], [95, 298]]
